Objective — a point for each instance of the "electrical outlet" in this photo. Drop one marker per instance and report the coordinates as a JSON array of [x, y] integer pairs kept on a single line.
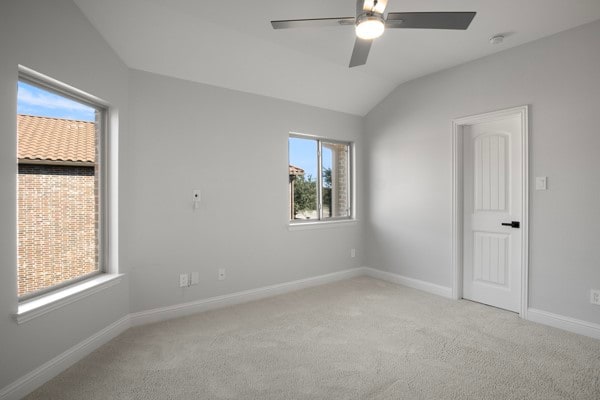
[[222, 275], [184, 280], [352, 253], [195, 278], [595, 296]]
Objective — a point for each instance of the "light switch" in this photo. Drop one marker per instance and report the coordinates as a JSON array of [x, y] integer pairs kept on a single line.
[[184, 280], [541, 183]]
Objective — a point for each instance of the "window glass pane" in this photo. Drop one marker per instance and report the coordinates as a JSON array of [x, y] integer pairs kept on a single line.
[[303, 179], [57, 189], [335, 180]]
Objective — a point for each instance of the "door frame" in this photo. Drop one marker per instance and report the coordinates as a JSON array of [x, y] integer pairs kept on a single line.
[[457, 197]]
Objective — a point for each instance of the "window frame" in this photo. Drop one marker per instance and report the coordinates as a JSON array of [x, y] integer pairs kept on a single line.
[[351, 181], [48, 84]]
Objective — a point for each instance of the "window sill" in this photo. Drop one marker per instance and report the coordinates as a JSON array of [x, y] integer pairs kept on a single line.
[[31, 309], [301, 226]]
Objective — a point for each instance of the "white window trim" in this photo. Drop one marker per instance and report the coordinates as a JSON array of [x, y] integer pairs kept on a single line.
[[41, 305], [109, 276], [334, 222], [339, 223]]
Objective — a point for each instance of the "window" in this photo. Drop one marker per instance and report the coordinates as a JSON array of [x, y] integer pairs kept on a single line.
[[60, 190], [320, 181]]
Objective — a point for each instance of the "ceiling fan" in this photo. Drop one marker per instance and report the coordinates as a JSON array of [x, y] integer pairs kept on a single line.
[[370, 24]]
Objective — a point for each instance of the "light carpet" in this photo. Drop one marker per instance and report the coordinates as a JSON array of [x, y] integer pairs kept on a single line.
[[356, 339]]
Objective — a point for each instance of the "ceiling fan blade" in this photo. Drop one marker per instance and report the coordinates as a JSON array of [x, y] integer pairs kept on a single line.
[[360, 52], [369, 5], [430, 20], [380, 6], [312, 23], [363, 5]]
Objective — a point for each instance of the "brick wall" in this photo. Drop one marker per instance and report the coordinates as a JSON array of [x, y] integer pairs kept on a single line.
[[57, 225], [340, 195]]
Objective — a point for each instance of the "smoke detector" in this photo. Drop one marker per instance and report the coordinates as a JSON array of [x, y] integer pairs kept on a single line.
[[497, 39]]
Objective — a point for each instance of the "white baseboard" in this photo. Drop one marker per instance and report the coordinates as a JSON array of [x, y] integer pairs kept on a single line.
[[24, 385], [410, 282], [179, 310], [34, 379], [566, 323]]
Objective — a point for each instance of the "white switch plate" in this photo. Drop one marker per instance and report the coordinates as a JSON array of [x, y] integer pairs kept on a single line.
[[595, 296], [195, 278], [541, 183], [352, 253], [184, 280], [222, 275]]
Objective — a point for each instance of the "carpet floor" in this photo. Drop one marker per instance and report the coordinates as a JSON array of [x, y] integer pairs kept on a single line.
[[356, 339]]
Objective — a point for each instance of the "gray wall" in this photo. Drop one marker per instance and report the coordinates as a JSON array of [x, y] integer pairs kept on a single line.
[[409, 174], [234, 147], [53, 38]]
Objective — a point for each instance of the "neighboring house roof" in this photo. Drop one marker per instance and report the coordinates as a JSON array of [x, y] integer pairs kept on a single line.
[[295, 170], [55, 139]]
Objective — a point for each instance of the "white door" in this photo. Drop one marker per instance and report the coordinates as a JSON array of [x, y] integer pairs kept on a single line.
[[492, 198]]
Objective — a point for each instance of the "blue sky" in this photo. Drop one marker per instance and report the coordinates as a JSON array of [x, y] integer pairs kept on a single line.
[[32, 100], [303, 154]]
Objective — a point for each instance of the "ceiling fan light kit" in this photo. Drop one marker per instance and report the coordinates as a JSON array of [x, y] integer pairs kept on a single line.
[[369, 27], [370, 24]]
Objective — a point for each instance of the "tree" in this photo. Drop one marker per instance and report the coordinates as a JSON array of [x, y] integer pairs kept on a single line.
[[305, 194]]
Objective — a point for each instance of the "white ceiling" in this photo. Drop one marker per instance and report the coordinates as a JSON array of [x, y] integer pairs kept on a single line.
[[230, 43]]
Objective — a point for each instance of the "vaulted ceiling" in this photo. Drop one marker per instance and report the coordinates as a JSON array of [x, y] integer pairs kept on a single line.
[[231, 43]]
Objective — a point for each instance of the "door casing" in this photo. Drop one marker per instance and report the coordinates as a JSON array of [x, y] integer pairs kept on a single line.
[[457, 197]]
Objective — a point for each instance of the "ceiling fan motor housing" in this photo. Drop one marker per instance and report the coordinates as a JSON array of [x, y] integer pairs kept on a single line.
[[369, 16]]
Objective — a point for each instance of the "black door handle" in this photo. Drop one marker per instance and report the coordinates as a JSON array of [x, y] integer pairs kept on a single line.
[[513, 224]]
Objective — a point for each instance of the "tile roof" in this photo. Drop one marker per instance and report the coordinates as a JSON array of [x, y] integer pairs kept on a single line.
[[296, 170], [55, 139]]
